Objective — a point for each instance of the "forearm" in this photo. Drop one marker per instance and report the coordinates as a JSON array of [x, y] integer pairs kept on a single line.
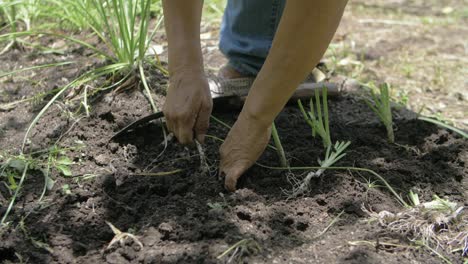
[[304, 33], [182, 21]]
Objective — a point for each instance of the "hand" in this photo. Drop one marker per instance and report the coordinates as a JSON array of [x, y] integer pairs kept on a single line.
[[244, 144], [188, 106]]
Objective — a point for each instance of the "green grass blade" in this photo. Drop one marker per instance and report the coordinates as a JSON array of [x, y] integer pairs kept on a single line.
[[444, 125], [325, 112], [37, 67], [279, 146], [13, 199]]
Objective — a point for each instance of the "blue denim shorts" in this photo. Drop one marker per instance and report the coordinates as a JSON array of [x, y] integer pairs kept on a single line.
[[247, 32]]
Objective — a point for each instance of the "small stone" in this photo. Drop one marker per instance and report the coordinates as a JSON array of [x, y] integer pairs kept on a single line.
[[113, 147], [165, 229], [102, 160], [115, 258], [151, 237]]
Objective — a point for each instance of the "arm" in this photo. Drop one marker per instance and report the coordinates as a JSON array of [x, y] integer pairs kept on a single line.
[[303, 36], [188, 103], [304, 33]]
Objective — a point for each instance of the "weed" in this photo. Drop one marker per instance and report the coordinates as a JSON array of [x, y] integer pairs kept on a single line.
[[23, 167], [219, 205], [382, 108], [121, 237], [15, 169], [36, 242], [334, 221], [369, 185], [66, 189], [318, 122], [241, 250]]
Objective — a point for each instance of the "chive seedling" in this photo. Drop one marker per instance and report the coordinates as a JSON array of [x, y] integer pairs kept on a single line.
[[318, 122], [382, 108], [279, 146], [331, 157]]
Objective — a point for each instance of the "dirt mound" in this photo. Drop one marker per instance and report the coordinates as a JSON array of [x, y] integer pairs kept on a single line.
[[187, 217]]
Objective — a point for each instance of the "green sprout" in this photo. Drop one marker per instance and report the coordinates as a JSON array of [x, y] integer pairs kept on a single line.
[[316, 120], [382, 108], [279, 147]]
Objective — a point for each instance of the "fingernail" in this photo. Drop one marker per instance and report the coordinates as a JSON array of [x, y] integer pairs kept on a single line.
[[201, 139]]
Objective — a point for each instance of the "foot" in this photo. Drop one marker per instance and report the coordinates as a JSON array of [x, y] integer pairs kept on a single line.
[[227, 72]]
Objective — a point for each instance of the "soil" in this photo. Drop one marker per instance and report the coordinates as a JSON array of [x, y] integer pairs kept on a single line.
[[180, 211]]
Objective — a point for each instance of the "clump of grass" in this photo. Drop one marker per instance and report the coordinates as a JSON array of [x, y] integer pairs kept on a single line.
[[317, 120], [123, 26], [382, 108]]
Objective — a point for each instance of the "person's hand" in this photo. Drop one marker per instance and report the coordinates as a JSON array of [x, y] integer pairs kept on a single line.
[[188, 106], [243, 146]]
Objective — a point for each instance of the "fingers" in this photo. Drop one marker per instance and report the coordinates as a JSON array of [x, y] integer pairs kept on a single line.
[[178, 123], [203, 121], [185, 125], [233, 173], [184, 132], [182, 127]]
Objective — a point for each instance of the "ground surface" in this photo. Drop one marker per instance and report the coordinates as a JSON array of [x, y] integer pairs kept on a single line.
[[187, 217]]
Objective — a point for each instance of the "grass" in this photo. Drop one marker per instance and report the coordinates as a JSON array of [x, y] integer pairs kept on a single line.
[[381, 106], [444, 125], [240, 250]]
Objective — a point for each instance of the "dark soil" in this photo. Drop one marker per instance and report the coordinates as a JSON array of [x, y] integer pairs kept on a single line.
[[187, 217]]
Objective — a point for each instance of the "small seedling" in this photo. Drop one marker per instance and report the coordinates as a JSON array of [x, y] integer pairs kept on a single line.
[[279, 147], [219, 205], [121, 236], [240, 250], [316, 120], [382, 108], [66, 189], [369, 185], [216, 206]]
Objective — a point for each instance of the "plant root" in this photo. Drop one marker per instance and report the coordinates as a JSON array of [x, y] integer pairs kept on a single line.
[[331, 157], [438, 223], [205, 167]]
